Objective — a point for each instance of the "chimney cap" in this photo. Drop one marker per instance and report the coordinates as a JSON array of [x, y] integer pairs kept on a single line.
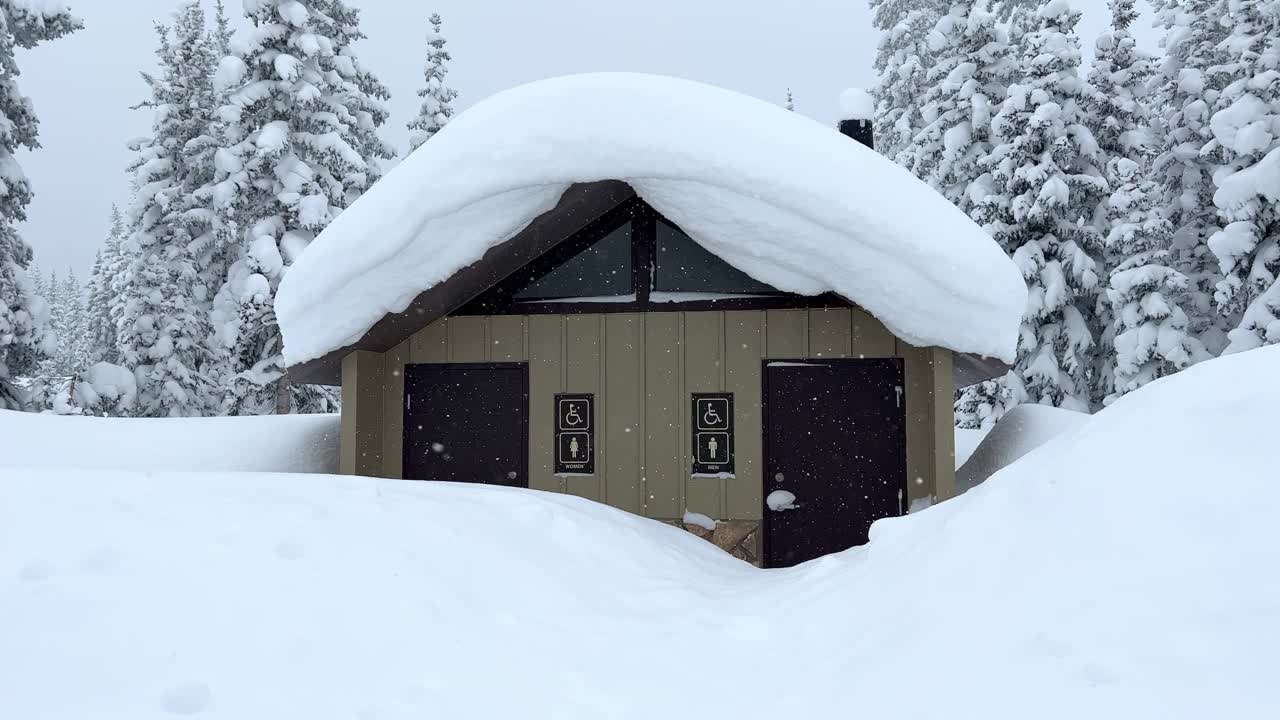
[[857, 104]]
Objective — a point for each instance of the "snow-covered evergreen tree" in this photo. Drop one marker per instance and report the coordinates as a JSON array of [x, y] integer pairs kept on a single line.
[[437, 97], [1145, 332], [221, 33], [965, 85], [302, 120], [73, 347], [108, 267], [1246, 136], [23, 314], [1046, 185], [791, 103], [163, 334], [50, 289], [1185, 92], [1151, 336], [901, 64]]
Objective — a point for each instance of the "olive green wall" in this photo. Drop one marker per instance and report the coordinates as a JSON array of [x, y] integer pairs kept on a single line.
[[642, 368]]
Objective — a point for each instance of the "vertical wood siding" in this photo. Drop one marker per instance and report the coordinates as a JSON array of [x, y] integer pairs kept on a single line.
[[642, 367]]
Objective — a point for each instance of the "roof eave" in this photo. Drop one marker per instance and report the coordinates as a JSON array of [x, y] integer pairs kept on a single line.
[[578, 206]]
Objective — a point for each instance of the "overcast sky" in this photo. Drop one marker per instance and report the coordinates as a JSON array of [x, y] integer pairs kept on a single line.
[[83, 85]]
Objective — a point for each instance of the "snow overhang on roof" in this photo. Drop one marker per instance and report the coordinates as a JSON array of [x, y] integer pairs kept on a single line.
[[785, 199]]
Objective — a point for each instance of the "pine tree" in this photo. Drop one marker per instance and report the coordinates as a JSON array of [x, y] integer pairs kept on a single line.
[[302, 124], [163, 331], [1185, 92], [220, 34], [1045, 188], [791, 103], [1151, 333], [966, 84], [1246, 136], [74, 347], [50, 289], [902, 62], [23, 314], [107, 266], [437, 98], [1145, 329]]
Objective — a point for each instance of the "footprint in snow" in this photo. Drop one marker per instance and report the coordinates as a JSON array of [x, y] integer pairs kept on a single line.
[[288, 550], [37, 571], [187, 699]]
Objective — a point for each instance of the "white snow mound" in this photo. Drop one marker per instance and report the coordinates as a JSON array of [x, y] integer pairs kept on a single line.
[[1122, 571], [1021, 430], [787, 200], [271, 443]]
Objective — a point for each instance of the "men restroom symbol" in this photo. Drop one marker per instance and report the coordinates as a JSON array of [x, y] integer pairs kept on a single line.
[[712, 449]]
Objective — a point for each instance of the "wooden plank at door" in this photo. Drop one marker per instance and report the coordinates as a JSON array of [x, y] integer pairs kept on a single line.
[[744, 346], [920, 425], [786, 333], [944, 431], [546, 346], [430, 344], [506, 338], [582, 362], [360, 442], [870, 337], [703, 372], [829, 332], [623, 404], [468, 339], [393, 410], [664, 412]]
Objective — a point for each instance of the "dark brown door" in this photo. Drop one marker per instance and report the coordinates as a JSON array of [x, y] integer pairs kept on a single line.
[[467, 423], [834, 438]]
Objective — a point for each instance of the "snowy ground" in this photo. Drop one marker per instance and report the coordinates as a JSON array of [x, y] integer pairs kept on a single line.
[[272, 443], [1124, 570]]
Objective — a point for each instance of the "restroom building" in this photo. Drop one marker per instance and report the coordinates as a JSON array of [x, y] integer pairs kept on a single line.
[[601, 348]]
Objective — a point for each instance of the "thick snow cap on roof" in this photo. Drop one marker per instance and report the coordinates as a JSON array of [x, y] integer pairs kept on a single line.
[[785, 199], [856, 104]]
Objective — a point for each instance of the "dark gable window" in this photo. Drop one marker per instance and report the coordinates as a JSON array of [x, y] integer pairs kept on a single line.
[[685, 266], [601, 270]]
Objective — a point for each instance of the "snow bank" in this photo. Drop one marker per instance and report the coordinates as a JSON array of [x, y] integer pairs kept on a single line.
[[1021, 430], [785, 199], [1121, 572], [274, 443], [966, 442]]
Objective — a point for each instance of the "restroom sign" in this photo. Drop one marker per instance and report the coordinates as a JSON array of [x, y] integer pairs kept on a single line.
[[712, 425], [575, 434]]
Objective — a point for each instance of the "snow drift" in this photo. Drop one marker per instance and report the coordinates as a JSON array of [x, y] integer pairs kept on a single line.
[[1120, 571], [1021, 430], [783, 198], [271, 443]]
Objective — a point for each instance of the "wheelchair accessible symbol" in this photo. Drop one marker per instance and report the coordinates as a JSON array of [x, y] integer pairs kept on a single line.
[[575, 414], [713, 414]]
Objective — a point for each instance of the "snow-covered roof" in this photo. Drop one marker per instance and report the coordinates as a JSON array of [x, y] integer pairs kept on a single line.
[[785, 199], [857, 104]]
